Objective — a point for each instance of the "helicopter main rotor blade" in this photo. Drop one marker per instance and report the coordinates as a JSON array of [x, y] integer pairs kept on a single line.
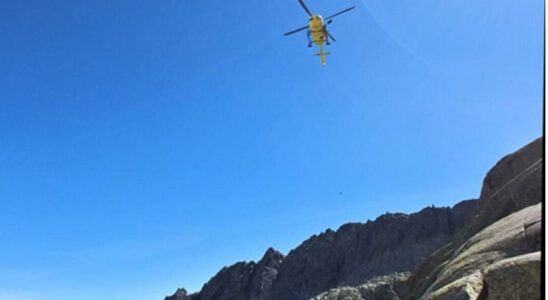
[[305, 8], [331, 37], [339, 13], [296, 30]]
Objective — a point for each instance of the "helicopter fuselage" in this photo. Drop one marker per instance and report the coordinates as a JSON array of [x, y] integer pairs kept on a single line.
[[316, 27]]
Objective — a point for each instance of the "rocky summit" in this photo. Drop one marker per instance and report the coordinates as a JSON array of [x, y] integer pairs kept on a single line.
[[486, 248]]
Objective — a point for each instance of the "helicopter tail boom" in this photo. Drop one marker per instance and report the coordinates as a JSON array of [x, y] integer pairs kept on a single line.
[[322, 54]]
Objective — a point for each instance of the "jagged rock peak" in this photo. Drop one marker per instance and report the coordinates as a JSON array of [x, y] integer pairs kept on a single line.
[[242, 280], [180, 294], [272, 254]]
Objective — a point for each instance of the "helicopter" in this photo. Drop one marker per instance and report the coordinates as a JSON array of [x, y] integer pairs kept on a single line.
[[317, 30]]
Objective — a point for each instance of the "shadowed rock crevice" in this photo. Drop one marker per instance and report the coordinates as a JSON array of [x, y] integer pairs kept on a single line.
[[484, 294]]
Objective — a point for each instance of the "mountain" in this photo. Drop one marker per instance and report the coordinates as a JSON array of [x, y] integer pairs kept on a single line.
[[436, 253]]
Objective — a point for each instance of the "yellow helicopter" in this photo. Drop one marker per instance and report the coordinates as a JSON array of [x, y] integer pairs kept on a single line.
[[317, 30]]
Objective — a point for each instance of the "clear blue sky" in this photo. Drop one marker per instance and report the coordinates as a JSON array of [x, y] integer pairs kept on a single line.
[[146, 144]]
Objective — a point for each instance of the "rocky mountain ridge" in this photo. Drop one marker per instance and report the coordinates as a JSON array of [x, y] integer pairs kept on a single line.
[[358, 254]]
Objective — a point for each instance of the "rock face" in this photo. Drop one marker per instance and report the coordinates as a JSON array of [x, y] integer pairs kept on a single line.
[[479, 249], [515, 278], [491, 257], [510, 187], [386, 287], [515, 182]]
